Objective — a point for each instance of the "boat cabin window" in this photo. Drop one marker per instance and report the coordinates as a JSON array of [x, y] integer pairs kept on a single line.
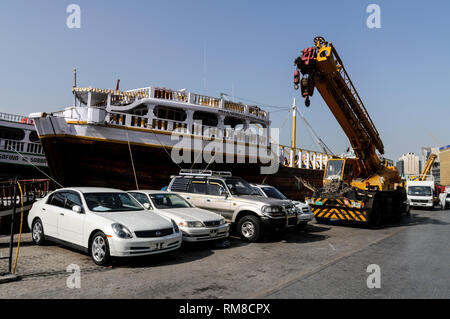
[[334, 169], [169, 113], [33, 137], [234, 122], [11, 133], [208, 119], [140, 110]]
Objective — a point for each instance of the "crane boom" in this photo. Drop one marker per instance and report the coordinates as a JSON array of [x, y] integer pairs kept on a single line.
[[427, 167], [322, 68]]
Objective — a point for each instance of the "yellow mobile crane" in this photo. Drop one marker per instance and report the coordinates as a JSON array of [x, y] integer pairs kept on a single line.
[[426, 170], [362, 188]]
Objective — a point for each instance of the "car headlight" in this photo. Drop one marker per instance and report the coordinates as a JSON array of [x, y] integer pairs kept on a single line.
[[121, 231], [195, 224], [222, 221], [175, 226], [272, 211]]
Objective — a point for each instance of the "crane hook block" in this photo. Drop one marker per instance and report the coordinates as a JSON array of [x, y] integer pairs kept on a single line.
[[296, 79]]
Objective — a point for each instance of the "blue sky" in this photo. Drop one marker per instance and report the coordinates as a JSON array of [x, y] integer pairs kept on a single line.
[[402, 71]]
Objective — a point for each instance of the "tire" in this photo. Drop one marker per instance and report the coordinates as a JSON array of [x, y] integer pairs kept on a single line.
[[249, 228], [37, 232], [99, 249]]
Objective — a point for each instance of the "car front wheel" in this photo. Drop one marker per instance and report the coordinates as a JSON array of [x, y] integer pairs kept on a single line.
[[100, 249], [249, 228], [37, 232]]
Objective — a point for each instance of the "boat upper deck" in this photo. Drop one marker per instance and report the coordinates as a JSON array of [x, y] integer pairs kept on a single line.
[[182, 99]]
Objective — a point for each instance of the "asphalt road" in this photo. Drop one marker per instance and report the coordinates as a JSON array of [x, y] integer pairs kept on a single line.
[[327, 261], [414, 263]]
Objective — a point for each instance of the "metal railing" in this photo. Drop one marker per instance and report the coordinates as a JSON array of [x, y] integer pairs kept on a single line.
[[138, 121], [21, 146], [301, 158], [15, 118], [32, 190]]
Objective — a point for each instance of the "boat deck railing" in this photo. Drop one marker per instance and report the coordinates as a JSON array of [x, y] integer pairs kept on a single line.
[[196, 129], [15, 118], [21, 146], [301, 158]]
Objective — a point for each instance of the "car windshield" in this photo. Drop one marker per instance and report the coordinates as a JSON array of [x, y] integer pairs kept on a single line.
[[272, 192], [419, 191], [239, 186], [111, 202], [168, 201], [258, 191]]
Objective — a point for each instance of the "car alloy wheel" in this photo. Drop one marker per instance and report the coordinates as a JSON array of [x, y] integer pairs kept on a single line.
[[38, 232], [98, 249], [247, 229]]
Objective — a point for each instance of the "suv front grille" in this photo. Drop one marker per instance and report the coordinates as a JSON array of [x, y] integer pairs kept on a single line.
[[212, 223], [154, 233]]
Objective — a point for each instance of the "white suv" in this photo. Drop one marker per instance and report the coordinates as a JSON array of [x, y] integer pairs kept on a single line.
[[103, 222]]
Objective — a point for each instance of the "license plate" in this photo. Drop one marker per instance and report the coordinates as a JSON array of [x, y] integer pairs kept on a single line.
[[319, 203]]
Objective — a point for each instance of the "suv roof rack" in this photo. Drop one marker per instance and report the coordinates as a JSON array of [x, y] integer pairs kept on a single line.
[[200, 172]]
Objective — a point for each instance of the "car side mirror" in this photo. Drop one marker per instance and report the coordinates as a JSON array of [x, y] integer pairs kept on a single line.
[[223, 192], [147, 206], [77, 209]]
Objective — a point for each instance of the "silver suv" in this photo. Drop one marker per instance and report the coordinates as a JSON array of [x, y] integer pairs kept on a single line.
[[234, 199]]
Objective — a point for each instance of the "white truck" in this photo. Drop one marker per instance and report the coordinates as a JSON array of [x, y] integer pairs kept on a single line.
[[420, 193]]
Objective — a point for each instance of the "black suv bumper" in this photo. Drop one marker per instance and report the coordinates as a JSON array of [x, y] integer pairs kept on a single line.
[[278, 223]]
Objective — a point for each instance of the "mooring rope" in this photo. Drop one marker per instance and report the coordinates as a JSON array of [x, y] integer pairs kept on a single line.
[[132, 160]]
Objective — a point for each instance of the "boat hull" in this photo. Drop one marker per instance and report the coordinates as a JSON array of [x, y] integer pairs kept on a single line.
[[76, 161]]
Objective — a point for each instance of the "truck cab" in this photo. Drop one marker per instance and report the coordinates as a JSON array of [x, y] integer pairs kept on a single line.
[[420, 193]]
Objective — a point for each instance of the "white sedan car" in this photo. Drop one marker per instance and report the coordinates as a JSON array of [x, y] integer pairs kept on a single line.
[[102, 222], [196, 224]]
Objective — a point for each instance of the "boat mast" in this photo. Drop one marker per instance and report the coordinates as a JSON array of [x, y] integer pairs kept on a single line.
[[74, 86], [294, 131]]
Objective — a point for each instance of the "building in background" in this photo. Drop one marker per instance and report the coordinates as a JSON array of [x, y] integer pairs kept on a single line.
[[411, 164], [401, 168], [436, 168], [444, 156]]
